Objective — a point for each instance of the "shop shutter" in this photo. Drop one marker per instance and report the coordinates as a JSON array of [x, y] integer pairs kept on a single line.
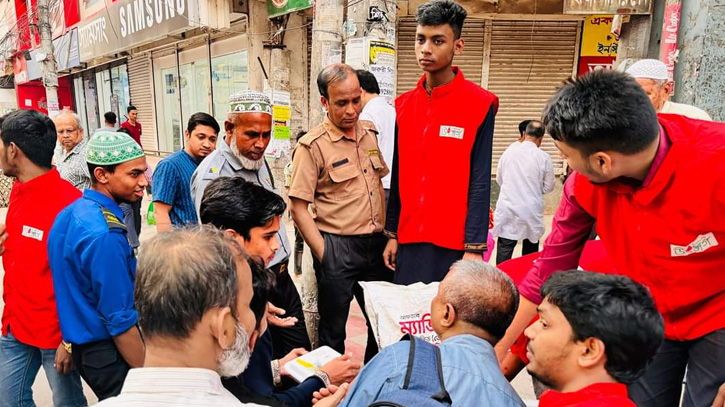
[[470, 61], [141, 87], [528, 62]]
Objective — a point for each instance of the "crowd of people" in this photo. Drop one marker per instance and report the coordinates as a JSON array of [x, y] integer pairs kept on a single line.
[[206, 313]]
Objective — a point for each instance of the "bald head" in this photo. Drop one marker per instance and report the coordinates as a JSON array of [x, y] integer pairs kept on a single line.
[[482, 296]]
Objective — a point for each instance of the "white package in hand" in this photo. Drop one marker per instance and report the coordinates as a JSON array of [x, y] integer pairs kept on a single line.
[[306, 365], [396, 310]]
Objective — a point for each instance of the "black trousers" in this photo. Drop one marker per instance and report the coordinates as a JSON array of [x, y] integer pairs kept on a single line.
[[136, 207], [661, 384], [505, 248], [102, 366], [423, 262], [285, 296], [347, 260]]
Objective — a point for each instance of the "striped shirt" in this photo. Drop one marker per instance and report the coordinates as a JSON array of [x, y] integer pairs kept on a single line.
[[72, 165], [171, 186], [178, 387]]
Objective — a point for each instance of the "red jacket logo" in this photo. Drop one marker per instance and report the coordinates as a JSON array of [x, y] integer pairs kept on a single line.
[[699, 245]]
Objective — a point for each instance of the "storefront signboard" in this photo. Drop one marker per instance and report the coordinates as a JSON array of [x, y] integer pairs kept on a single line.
[[276, 8], [599, 45], [608, 6], [127, 23]]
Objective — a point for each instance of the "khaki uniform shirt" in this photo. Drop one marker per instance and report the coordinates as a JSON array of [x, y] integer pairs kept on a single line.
[[340, 175]]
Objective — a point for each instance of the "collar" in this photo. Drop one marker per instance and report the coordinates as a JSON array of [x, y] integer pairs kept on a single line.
[[75, 150], [194, 159], [104, 201], [45, 182], [474, 343], [552, 398], [443, 90], [173, 380], [336, 134], [232, 159]]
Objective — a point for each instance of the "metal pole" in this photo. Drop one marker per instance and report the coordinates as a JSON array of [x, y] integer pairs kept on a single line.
[[50, 76]]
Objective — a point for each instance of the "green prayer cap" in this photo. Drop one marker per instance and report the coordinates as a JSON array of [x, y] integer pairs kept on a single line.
[[110, 148]]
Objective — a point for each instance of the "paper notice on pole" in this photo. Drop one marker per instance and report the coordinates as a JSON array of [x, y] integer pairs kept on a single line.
[[356, 53], [281, 116], [382, 64]]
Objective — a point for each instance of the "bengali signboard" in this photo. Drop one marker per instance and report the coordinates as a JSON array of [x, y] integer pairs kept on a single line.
[[276, 8], [608, 6], [599, 45], [129, 23]]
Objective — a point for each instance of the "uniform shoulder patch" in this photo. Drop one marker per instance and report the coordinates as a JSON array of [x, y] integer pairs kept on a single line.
[[112, 220], [368, 125], [312, 135]]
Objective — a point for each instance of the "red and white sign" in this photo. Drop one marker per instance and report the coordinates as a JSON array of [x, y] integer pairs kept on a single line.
[[670, 31]]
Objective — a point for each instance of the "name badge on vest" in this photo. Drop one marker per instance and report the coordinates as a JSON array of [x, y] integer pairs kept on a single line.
[[699, 245], [452, 132], [33, 233]]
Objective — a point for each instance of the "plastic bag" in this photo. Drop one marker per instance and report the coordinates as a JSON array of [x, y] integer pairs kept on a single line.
[[150, 217], [397, 310]]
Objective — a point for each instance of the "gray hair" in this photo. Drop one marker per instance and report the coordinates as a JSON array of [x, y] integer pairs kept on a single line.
[[73, 114], [331, 74], [182, 274], [482, 295]]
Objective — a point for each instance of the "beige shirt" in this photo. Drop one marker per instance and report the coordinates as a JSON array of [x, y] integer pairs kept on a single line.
[[340, 175], [685, 110]]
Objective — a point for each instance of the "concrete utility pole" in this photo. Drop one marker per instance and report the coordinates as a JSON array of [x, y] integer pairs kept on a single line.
[[50, 76], [326, 48]]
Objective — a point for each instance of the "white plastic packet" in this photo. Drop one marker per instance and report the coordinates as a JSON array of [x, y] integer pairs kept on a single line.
[[397, 310]]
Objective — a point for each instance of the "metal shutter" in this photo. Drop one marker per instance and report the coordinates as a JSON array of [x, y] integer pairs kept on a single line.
[[140, 80], [529, 60], [471, 61]]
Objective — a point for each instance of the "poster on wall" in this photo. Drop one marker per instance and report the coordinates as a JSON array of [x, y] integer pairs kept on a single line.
[[276, 8], [598, 44], [279, 145]]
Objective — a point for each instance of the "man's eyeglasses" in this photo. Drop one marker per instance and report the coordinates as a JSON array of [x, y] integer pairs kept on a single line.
[[69, 131]]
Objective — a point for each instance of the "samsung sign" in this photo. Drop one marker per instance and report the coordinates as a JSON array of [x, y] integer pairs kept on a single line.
[[127, 23]]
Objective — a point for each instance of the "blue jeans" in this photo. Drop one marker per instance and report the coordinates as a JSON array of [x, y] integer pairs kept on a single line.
[[19, 367]]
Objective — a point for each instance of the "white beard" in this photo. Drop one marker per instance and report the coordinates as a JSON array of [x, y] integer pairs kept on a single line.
[[233, 361], [247, 164]]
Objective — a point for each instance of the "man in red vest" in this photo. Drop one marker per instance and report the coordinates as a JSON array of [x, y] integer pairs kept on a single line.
[[441, 182], [656, 188]]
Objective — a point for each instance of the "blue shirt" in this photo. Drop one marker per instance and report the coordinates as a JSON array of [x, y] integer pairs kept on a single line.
[[171, 186], [470, 371], [93, 270]]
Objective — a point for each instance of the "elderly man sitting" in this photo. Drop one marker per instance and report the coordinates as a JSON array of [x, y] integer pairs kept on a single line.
[[472, 310]]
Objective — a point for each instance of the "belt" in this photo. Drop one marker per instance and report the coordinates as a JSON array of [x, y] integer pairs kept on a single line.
[[280, 268]]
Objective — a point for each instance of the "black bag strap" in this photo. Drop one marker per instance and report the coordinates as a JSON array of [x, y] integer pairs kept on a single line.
[[423, 359]]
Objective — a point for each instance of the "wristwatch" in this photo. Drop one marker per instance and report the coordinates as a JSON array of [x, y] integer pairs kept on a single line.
[[67, 346], [324, 377]]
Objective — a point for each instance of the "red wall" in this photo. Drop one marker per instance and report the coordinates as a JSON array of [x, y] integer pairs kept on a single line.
[[35, 91]]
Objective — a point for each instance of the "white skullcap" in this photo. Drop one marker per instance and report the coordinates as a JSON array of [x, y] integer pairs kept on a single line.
[[649, 69]]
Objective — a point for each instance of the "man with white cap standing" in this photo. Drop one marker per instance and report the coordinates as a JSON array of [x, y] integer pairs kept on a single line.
[[652, 75], [94, 268], [248, 131]]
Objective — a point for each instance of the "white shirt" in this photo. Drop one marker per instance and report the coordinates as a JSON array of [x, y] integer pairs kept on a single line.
[[685, 110], [179, 387], [525, 173], [378, 111]]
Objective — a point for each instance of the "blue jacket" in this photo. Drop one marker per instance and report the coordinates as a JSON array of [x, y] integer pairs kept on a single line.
[[470, 371], [93, 270]]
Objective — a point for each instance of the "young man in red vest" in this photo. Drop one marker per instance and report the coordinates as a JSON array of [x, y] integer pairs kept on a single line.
[[656, 188], [441, 182], [595, 333]]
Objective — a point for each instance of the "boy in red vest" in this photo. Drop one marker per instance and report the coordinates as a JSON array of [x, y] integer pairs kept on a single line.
[[595, 333], [440, 185], [656, 188]]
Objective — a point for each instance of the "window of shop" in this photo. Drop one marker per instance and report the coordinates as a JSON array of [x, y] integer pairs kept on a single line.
[[101, 90], [196, 85]]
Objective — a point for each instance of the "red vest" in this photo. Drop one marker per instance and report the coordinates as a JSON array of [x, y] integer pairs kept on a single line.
[[670, 235], [435, 140]]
